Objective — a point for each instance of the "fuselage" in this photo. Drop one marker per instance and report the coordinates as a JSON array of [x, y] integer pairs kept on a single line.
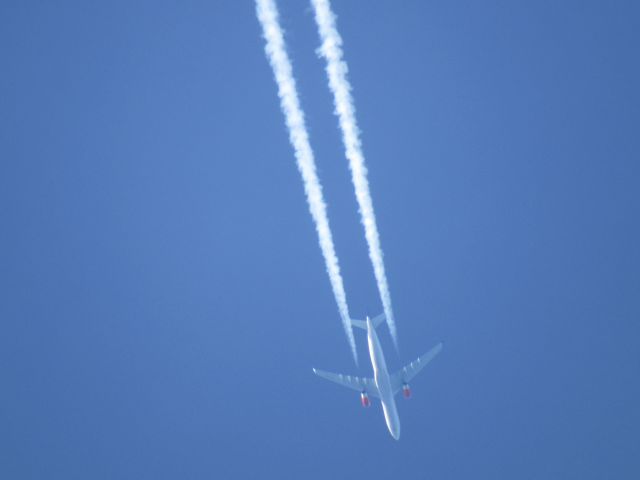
[[383, 381]]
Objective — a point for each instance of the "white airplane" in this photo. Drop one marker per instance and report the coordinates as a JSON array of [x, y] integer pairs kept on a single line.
[[383, 385]]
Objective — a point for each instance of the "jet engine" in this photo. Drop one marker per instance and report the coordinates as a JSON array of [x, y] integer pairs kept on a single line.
[[406, 391], [364, 399]]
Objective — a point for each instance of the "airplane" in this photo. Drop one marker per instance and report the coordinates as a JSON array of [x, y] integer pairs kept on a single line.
[[383, 385]]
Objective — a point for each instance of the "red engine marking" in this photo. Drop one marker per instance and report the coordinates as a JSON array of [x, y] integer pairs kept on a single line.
[[406, 391]]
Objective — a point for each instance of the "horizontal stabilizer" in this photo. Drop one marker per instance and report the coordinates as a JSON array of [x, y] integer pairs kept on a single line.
[[359, 324], [374, 321]]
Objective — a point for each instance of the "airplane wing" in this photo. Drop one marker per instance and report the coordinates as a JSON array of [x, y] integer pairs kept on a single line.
[[355, 383], [406, 373]]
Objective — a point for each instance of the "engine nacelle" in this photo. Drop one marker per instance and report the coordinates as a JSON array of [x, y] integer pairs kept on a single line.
[[406, 391], [364, 400]]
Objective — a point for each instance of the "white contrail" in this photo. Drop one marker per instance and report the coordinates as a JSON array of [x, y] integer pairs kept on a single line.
[[345, 110], [299, 138]]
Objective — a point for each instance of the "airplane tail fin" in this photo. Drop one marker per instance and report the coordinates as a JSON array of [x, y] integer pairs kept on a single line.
[[374, 321]]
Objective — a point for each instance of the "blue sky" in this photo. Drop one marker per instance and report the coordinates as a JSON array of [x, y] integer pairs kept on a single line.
[[163, 294]]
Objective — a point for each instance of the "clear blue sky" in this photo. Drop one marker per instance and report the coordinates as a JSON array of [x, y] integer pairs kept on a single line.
[[163, 297]]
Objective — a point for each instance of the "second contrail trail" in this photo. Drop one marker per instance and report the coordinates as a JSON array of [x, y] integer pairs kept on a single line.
[[299, 138], [345, 110]]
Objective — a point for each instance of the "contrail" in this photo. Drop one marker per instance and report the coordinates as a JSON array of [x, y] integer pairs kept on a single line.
[[345, 110], [276, 52]]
